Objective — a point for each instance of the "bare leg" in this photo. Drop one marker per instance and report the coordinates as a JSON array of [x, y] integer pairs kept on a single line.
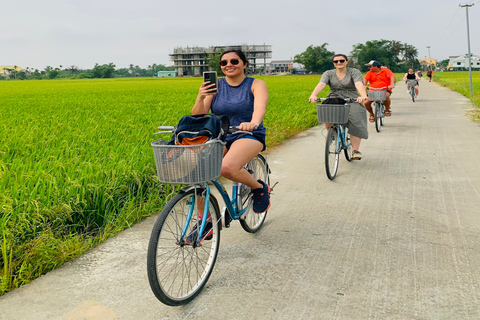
[[387, 102], [355, 142], [241, 151], [368, 106]]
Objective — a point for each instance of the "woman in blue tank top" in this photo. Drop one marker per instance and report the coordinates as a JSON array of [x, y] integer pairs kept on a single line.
[[244, 101]]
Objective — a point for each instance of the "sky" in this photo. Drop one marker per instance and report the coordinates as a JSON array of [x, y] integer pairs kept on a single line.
[[37, 34]]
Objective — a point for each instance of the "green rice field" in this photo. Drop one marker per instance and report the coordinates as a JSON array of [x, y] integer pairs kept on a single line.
[[76, 165]]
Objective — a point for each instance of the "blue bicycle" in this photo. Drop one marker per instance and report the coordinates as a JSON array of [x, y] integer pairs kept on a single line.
[[338, 138], [185, 239], [378, 95]]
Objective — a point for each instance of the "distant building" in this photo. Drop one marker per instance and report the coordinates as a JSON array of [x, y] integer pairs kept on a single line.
[[429, 62], [460, 63], [6, 70], [284, 66], [166, 74], [192, 61]]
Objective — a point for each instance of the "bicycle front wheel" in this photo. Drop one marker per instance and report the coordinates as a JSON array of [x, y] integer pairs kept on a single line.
[[348, 145], [382, 114], [332, 153], [178, 269], [378, 116], [412, 93], [251, 221]]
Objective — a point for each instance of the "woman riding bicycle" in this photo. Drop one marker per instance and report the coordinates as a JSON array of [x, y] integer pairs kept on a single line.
[[411, 79], [346, 83], [244, 101]]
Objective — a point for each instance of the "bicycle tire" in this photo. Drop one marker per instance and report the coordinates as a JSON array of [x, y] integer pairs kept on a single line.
[[382, 114], [348, 143], [332, 153], [378, 116], [250, 220], [177, 272]]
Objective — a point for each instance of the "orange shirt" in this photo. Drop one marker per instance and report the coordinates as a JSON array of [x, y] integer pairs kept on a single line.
[[381, 79]]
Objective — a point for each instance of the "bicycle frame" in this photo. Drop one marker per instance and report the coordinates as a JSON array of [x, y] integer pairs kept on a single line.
[[341, 134], [231, 204]]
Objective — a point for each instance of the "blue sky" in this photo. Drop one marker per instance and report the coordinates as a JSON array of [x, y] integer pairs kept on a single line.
[[37, 34]]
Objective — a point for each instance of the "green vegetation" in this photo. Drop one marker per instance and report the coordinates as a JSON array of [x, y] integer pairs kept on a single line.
[[460, 82], [76, 166]]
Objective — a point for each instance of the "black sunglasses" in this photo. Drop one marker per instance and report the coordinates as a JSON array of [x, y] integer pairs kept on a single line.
[[339, 61], [234, 62]]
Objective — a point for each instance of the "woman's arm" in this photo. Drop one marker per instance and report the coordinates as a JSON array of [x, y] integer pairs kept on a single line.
[[361, 89], [204, 99], [313, 97], [260, 96]]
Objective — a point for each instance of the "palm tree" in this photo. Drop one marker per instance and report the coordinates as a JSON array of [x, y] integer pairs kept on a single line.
[[73, 69]]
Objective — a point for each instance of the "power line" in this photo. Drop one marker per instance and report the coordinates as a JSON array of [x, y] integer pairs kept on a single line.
[[444, 31], [453, 31]]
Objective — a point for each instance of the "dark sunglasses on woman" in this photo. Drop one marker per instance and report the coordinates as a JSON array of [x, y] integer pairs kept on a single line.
[[234, 62]]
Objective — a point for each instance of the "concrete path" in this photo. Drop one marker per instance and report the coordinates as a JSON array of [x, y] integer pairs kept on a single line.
[[394, 236]]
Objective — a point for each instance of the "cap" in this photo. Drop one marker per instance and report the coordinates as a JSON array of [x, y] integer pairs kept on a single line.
[[373, 63]]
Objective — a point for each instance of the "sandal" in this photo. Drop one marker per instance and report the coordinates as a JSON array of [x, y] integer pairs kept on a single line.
[[388, 113], [372, 118]]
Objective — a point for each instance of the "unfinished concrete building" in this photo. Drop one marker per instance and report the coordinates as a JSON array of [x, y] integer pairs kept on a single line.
[[192, 61]]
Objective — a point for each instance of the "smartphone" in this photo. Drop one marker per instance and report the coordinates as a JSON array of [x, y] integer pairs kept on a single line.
[[212, 77]]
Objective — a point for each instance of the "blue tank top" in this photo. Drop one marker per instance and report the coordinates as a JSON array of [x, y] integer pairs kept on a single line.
[[235, 102]]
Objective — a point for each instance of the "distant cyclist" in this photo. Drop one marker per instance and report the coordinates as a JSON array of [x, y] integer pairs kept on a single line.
[[429, 75], [412, 80], [379, 77]]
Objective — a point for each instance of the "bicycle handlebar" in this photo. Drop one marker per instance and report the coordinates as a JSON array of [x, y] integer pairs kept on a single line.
[[171, 129], [347, 100], [377, 89]]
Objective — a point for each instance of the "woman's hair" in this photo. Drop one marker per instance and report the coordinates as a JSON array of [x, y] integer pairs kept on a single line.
[[239, 53], [340, 55]]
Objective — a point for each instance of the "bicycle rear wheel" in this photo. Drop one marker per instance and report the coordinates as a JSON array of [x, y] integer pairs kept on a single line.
[[177, 270], [332, 153], [251, 221], [378, 116]]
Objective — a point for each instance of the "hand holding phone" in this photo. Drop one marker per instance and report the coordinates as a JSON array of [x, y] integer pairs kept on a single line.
[[211, 76]]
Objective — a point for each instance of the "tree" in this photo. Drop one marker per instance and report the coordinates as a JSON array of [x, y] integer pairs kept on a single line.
[[73, 69], [213, 61], [380, 50], [103, 71], [316, 59], [410, 56]]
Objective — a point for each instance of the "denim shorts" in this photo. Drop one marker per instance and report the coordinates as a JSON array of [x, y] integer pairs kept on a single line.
[[258, 135]]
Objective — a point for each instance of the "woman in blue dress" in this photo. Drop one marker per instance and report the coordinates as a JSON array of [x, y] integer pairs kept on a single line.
[[244, 101]]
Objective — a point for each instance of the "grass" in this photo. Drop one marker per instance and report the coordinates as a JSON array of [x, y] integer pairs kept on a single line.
[[460, 82], [76, 166]]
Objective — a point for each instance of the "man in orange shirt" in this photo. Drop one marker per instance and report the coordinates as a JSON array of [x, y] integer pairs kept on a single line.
[[379, 78]]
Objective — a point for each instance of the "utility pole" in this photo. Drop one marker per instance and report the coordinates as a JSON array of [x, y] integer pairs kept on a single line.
[[429, 59], [466, 6]]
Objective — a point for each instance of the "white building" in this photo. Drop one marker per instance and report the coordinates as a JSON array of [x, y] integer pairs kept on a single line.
[[284, 66], [460, 63]]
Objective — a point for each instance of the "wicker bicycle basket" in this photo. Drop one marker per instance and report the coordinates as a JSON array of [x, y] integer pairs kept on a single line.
[[333, 113], [190, 164], [377, 95]]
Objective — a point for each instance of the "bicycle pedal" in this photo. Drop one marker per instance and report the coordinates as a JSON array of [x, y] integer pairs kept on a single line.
[[226, 219]]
